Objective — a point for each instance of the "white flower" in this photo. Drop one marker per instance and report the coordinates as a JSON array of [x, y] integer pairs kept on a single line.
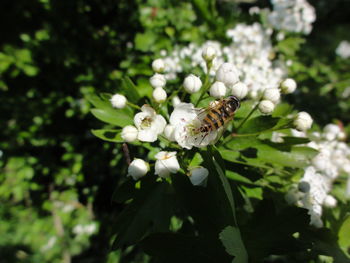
[[175, 101], [157, 81], [292, 15], [303, 121], [292, 196], [186, 121], [208, 53], [158, 65], [288, 86], [149, 124], [228, 74], [330, 201], [266, 107], [129, 133], [240, 90], [169, 132], [159, 95], [198, 175], [343, 50], [138, 168], [192, 84], [218, 89], [118, 101], [166, 163], [272, 94], [331, 131]]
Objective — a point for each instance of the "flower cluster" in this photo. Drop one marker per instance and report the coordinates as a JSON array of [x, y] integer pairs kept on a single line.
[[315, 185], [292, 15], [343, 49]]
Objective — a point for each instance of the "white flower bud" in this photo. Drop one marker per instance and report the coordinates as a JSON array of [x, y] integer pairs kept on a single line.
[[118, 101], [192, 84], [208, 53], [228, 74], [272, 95], [175, 101], [129, 133], [304, 187], [218, 90], [240, 90], [198, 175], [157, 81], [159, 95], [293, 196], [330, 201], [320, 162], [158, 65], [169, 132], [288, 86], [266, 107], [138, 168], [302, 121]]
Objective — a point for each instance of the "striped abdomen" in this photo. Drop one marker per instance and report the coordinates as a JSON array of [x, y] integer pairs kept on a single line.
[[220, 115]]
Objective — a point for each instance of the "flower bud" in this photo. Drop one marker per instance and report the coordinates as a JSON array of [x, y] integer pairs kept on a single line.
[[304, 187], [288, 86], [266, 107], [138, 168], [175, 101], [129, 133], [158, 65], [157, 81], [218, 90], [118, 101], [330, 201], [198, 175], [302, 121], [208, 53], [192, 84], [159, 95], [228, 74], [169, 132], [240, 90], [272, 95]]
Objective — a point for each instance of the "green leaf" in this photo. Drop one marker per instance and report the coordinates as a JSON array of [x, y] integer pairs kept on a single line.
[[130, 89], [238, 178], [176, 247], [145, 41], [298, 157], [116, 117], [232, 241], [344, 235], [97, 102], [108, 135], [258, 124], [150, 210]]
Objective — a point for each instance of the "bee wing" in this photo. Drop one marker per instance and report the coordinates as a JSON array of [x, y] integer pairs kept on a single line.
[[202, 112]]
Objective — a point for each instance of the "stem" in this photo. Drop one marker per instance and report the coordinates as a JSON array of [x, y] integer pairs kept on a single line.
[[174, 93], [133, 105], [247, 117], [206, 84]]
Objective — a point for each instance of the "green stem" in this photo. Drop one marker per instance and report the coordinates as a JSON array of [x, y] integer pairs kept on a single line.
[[133, 105], [205, 86]]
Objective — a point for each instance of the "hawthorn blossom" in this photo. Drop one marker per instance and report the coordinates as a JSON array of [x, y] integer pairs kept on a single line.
[[186, 121], [138, 168], [118, 101], [166, 163], [343, 50], [149, 124]]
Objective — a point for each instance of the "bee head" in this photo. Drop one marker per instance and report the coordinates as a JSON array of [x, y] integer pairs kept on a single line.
[[233, 103]]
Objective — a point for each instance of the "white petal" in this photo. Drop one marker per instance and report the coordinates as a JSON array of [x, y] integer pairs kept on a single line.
[[147, 135]]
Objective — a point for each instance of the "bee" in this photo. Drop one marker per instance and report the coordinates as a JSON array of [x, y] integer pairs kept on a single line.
[[218, 115]]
